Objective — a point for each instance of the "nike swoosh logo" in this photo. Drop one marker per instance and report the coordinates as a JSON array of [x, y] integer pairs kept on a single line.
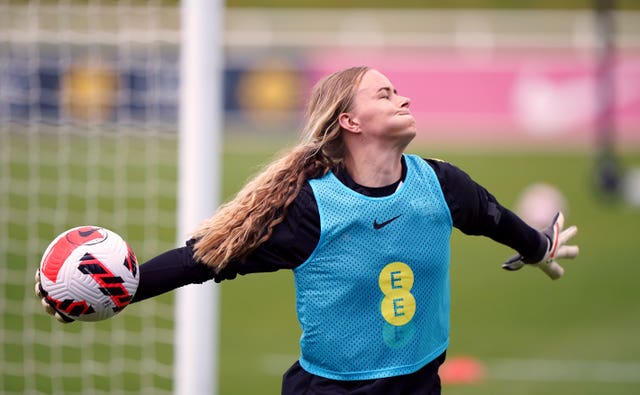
[[377, 225], [86, 233]]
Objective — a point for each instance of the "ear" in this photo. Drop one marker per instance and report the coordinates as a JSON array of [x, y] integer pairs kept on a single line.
[[348, 122]]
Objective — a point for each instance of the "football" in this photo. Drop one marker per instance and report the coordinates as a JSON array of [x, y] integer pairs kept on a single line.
[[89, 273]]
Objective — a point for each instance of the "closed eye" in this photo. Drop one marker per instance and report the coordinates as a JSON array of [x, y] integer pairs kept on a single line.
[[385, 92]]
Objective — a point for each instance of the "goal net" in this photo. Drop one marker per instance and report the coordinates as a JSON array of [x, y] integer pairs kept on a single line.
[[88, 108]]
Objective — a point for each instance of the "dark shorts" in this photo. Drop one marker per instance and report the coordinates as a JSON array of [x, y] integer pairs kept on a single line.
[[297, 381]]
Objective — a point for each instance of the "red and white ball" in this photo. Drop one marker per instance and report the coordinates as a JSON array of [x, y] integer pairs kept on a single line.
[[89, 273]]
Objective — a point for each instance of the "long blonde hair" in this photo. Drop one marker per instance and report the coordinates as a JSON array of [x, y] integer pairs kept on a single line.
[[245, 222]]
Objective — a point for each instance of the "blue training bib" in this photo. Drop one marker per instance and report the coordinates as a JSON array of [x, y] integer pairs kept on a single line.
[[373, 298]]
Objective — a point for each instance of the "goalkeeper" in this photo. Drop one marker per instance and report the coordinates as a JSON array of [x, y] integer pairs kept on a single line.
[[366, 230]]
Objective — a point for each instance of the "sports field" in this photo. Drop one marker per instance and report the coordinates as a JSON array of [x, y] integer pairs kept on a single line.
[[578, 335]]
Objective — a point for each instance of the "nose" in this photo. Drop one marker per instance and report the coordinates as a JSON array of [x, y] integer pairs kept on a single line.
[[405, 102]]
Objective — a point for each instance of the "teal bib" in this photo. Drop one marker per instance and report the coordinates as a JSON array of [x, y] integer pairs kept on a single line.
[[373, 298]]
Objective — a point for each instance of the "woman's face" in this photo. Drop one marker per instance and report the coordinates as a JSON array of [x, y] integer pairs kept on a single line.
[[379, 112]]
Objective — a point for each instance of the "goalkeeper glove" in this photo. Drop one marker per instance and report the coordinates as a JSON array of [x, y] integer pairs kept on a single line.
[[556, 248], [48, 306]]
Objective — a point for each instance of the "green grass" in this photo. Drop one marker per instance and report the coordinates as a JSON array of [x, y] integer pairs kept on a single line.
[[592, 314]]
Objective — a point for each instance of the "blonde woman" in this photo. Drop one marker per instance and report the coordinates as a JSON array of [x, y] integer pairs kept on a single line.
[[365, 229]]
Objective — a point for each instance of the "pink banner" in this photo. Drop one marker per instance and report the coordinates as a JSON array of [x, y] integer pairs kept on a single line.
[[506, 97]]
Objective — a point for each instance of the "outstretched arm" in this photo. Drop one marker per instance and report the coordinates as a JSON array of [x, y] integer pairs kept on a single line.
[[476, 212], [291, 244], [170, 270]]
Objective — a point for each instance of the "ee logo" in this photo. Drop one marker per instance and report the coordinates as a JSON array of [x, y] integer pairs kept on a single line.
[[398, 305]]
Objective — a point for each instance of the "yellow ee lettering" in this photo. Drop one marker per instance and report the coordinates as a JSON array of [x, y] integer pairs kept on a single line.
[[398, 305]]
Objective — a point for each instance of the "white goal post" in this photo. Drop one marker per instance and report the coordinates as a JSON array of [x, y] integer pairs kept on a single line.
[[197, 307]]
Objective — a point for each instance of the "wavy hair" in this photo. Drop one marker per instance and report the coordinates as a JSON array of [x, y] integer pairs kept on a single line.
[[245, 222]]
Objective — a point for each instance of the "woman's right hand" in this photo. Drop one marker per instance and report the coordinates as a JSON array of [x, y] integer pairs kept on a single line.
[[48, 308]]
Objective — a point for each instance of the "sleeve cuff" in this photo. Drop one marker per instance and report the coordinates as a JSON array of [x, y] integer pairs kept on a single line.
[[541, 252]]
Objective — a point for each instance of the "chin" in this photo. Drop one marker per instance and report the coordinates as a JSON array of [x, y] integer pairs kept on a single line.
[[408, 137], [412, 131]]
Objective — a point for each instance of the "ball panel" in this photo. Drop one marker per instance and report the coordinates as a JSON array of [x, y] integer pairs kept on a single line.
[[55, 256]]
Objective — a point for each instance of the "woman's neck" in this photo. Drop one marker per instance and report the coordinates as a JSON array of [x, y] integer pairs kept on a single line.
[[375, 169]]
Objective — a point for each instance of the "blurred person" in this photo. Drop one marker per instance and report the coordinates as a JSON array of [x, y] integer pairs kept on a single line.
[[366, 230]]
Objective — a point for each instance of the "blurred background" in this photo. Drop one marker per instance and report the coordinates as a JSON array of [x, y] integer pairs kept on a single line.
[[539, 101]]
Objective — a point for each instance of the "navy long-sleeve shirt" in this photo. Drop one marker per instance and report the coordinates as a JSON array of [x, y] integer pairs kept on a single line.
[[474, 211]]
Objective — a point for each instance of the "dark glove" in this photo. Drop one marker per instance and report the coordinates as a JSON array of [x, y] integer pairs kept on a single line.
[[556, 248], [48, 306]]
